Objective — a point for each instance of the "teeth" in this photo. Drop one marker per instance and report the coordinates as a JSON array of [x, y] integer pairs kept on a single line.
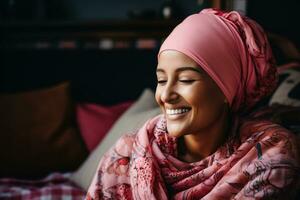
[[176, 111]]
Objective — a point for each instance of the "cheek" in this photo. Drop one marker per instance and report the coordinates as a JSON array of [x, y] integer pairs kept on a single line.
[[157, 95], [206, 101], [197, 96]]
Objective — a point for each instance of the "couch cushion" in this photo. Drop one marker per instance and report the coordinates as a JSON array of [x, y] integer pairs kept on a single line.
[[94, 120], [288, 90], [38, 133], [142, 110]]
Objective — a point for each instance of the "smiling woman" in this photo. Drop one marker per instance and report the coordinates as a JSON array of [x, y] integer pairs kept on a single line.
[[192, 103], [212, 69]]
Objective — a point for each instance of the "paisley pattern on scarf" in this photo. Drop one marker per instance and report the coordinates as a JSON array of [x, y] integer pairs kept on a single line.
[[259, 164]]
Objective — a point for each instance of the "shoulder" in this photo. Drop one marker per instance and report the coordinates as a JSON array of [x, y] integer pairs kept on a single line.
[[273, 140], [274, 155], [262, 129]]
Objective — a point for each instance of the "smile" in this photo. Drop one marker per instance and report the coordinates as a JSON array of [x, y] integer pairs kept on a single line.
[[177, 111]]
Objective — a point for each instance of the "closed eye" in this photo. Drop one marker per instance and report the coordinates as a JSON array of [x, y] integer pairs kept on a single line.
[[161, 81], [187, 81]]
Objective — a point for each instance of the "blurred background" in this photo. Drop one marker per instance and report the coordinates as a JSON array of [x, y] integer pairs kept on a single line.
[[94, 42]]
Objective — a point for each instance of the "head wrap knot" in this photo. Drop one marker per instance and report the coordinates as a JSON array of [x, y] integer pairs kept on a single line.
[[233, 50]]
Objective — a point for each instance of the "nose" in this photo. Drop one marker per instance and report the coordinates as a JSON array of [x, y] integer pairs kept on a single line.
[[169, 94]]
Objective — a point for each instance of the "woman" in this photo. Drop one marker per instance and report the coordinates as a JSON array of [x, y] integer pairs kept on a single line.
[[211, 71]]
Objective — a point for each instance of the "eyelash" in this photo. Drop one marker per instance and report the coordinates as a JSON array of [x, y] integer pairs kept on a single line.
[[187, 81], [182, 81], [161, 82]]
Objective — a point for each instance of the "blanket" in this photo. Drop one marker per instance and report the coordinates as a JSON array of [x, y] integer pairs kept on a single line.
[[56, 186]]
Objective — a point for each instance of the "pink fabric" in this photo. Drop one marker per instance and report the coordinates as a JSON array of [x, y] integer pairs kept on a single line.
[[232, 49], [260, 164], [95, 120]]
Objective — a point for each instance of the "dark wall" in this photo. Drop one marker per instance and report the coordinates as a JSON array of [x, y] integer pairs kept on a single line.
[[110, 76], [281, 17], [87, 9], [106, 77]]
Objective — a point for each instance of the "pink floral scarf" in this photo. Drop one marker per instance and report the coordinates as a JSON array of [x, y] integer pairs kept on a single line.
[[261, 163]]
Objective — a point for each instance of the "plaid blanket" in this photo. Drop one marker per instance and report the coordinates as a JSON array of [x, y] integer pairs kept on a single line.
[[55, 186]]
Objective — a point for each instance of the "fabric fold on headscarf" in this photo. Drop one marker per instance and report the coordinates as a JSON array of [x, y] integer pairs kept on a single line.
[[261, 164], [233, 50]]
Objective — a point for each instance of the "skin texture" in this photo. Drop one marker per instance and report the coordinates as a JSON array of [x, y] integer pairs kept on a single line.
[[182, 84]]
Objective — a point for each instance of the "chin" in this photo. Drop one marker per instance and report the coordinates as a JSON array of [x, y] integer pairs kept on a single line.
[[177, 128], [174, 132]]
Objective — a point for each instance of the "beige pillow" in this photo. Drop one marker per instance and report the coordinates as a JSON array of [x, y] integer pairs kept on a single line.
[[142, 110]]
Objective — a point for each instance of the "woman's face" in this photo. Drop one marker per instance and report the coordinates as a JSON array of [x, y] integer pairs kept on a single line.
[[188, 97]]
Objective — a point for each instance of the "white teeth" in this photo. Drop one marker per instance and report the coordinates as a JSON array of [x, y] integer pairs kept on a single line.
[[176, 111]]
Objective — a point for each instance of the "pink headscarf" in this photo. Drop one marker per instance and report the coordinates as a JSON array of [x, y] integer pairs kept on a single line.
[[232, 49]]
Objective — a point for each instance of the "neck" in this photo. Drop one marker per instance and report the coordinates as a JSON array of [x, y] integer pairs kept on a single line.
[[195, 147]]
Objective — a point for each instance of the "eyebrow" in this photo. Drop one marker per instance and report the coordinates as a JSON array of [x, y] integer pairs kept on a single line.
[[198, 70]]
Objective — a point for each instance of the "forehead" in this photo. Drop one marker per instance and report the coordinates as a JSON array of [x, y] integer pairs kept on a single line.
[[171, 60]]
